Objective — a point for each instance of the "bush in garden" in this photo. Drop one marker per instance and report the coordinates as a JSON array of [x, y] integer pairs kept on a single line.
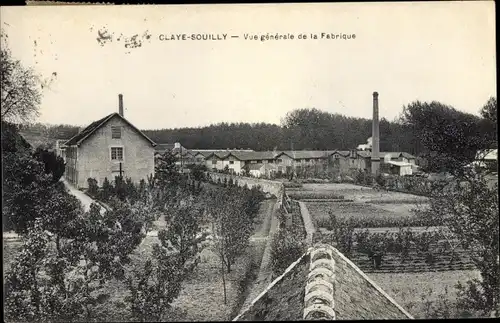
[[380, 180], [285, 249], [120, 189], [93, 187], [107, 190], [343, 234], [53, 164]]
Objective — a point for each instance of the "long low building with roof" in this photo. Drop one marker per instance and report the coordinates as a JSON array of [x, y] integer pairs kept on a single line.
[[288, 161]]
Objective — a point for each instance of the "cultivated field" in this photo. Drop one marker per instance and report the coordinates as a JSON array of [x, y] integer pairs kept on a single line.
[[363, 194], [416, 292], [415, 269]]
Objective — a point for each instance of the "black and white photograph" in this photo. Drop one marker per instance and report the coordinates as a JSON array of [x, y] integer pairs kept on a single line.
[[249, 162]]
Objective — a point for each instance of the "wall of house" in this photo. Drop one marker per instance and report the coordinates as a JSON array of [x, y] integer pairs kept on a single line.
[[219, 165], [94, 155], [71, 170], [285, 162], [340, 162], [233, 164]]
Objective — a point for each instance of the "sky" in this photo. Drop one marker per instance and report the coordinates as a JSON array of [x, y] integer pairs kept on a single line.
[[427, 51]]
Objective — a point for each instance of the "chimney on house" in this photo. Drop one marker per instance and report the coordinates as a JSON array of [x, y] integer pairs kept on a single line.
[[120, 104], [375, 158]]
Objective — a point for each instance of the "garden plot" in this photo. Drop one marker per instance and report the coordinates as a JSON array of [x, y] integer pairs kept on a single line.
[[366, 215], [413, 290], [363, 194]]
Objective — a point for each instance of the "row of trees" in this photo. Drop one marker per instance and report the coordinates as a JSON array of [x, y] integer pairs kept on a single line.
[[69, 256]]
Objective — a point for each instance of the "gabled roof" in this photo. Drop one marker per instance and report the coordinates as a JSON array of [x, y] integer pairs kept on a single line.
[[90, 129], [183, 150], [344, 153], [218, 154], [364, 153], [325, 283], [164, 147], [253, 155], [196, 153], [308, 154]]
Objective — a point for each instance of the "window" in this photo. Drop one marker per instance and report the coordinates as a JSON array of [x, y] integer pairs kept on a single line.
[[116, 153], [259, 161], [279, 160], [116, 132], [214, 162], [231, 162], [307, 160]]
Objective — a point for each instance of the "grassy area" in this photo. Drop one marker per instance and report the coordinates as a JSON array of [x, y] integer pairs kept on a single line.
[[10, 249], [415, 292]]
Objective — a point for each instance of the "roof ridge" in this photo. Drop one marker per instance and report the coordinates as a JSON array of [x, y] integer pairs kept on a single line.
[[91, 128], [319, 295]]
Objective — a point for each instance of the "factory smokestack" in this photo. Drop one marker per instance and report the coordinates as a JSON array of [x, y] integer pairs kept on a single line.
[[120, 104], [375, 158]]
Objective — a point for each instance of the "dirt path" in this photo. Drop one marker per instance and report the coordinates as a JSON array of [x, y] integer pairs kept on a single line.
[[263, 271]]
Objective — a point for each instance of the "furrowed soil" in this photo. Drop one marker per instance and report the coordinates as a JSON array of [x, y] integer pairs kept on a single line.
[[413, 290]]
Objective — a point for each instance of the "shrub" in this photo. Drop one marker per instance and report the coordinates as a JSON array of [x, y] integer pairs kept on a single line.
[[380, 180], [93, 187], [107, 190], [54, 164], [286, 248]]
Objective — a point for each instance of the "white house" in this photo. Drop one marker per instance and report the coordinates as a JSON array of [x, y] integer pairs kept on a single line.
[[109, 147]]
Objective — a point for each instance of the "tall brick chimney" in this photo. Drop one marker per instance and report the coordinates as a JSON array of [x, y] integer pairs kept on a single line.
[[120, 104], [375, 158]]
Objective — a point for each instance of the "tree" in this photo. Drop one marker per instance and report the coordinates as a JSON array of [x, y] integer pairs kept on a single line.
[[20, 92], [489, 123], [23, 297], [468, 206], [166, 172], [231, 224], [245, 171], [100, 248], [159, 282], [451, 138], [54, 164]]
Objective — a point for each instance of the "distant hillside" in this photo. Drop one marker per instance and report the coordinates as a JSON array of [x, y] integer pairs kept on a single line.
[[46, 135]]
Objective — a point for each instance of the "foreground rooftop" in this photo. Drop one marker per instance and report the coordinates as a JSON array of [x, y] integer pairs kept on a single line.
[[323, 284]]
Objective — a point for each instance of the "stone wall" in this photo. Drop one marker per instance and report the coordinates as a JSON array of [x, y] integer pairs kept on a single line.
[[272, 187]]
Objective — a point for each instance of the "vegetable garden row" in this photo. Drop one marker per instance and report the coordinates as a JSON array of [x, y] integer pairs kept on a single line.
[[401, 249]]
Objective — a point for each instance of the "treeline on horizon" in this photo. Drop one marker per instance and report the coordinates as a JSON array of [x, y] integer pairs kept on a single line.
[[313, 129]]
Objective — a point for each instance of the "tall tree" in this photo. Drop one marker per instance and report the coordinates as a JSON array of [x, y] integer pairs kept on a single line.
[[451, 138], [489, 123], [20, 89], [468, 206]]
